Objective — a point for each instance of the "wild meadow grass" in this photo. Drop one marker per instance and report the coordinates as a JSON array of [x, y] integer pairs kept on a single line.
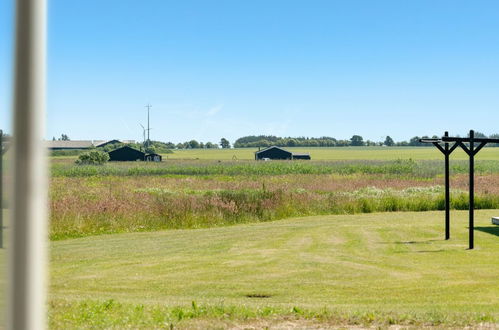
[[107, 205], [138, 196], [412, 168], [238, 168]]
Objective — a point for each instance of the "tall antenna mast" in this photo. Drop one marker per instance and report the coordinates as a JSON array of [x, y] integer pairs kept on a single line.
[[148, 106]]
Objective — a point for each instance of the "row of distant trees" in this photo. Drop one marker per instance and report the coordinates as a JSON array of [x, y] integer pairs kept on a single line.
[[193, 144], [254, 141]]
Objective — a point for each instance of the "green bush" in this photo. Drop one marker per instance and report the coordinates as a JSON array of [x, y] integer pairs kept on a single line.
[[94, 157]]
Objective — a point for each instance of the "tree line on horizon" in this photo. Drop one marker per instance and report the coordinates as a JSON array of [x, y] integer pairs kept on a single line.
[[256, 141], [264, 141]]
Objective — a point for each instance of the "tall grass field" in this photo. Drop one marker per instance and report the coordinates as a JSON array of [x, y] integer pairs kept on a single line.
[[137, 196]]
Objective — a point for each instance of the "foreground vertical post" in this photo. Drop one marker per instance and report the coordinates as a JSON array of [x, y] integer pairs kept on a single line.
[[447, 189], [447, 151], [471, 150], [27, 259], [472, 189], [1, 189]]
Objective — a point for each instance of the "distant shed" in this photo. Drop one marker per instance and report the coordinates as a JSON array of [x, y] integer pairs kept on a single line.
[[126, 153], [278, 153], [273, 153]]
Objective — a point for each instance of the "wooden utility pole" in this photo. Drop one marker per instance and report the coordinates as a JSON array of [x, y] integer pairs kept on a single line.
[[473, 147]]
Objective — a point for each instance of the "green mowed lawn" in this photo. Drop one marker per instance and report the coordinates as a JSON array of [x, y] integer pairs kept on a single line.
[[343, 153], [380, 268]]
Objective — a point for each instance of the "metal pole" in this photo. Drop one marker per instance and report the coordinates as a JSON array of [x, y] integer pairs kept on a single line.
[[447, 190], [148, 106], [29, 194], [472, 190]]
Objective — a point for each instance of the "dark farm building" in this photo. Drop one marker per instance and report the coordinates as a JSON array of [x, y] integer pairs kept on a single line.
[[279, 154], [126, 153]]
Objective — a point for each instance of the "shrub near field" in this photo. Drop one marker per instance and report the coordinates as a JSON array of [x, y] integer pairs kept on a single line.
[[87, 200]]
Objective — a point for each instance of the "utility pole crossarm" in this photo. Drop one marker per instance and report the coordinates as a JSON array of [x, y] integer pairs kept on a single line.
[[468, 139]]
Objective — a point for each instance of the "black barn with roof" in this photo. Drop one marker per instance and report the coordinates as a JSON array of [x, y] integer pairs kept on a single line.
[[273, 153], [278, 153], [126, 153]]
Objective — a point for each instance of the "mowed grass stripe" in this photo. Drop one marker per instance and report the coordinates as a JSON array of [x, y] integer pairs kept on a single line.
[[386, 263]]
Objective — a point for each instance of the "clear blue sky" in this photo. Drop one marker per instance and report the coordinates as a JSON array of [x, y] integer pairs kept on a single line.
[[215, 69]]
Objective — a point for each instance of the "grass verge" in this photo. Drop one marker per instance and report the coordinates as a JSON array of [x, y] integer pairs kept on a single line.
[[369, 269], [93, 314]]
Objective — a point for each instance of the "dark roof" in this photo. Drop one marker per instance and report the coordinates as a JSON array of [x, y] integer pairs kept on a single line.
[[272, 147], [126, 154], [127, 148], [276, 147], [105, 143]]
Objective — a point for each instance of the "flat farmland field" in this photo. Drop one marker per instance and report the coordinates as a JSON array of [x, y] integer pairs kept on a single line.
[[339, 153]]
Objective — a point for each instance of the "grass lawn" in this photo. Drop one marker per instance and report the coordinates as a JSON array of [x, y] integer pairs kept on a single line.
[[339, 153], [369, 269]]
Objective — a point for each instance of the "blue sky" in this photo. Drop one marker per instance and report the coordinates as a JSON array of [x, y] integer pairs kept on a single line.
[[215, 69]]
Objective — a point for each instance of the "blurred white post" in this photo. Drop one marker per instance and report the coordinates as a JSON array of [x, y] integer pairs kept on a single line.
[[27, 299]]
